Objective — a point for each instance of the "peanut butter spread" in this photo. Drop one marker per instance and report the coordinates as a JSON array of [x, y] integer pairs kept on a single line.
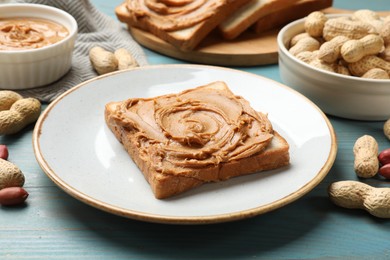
[[172, 15], [194, 129], [29, 33]]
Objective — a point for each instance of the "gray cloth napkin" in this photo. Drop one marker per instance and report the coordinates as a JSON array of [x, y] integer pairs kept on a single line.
[[95, 29]]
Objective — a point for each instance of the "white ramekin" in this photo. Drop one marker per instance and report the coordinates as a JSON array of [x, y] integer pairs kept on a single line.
[[24, 69], [339, 95]]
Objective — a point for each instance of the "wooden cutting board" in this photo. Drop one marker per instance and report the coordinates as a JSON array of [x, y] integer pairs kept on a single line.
[[249, 49]]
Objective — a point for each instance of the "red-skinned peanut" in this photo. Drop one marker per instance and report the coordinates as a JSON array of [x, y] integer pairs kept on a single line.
[[385, 171], [3, 152], [12, 196], [384, 156]]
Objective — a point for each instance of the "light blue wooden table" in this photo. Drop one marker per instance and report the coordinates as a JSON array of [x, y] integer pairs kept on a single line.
[[53, 225]]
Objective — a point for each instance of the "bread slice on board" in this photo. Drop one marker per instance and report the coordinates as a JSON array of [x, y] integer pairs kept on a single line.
[[201, 135], [288, 14], [183, 23], [248, 14]]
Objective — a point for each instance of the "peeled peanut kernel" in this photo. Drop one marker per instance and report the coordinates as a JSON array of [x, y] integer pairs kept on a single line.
[[384, 156], [3, 152], [385, 171], [12, 196]]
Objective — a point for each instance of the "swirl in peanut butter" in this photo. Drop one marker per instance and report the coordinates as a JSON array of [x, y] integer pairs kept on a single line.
[[195, 130], [172, 15], [29, 33]]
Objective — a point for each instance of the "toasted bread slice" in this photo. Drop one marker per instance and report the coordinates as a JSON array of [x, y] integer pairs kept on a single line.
[[248, 14], [182, 23], [206, 134], [290, 13]]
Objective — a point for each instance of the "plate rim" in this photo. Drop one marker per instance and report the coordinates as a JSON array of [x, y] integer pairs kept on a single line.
[[158, 218]]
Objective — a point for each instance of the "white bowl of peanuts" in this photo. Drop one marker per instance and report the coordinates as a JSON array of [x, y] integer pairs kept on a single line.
[[341, 62], [36, 45]]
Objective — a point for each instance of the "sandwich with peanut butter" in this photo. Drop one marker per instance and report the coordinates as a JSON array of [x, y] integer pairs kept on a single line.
[[248, 14], [200, 135], [276, 19], [183, 23]]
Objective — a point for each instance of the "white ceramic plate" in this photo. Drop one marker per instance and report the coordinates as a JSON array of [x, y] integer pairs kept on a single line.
[[78, 152]]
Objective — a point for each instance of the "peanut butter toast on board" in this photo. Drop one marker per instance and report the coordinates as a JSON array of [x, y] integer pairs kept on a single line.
[[245, 16], [183, 23], [288, 14]]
